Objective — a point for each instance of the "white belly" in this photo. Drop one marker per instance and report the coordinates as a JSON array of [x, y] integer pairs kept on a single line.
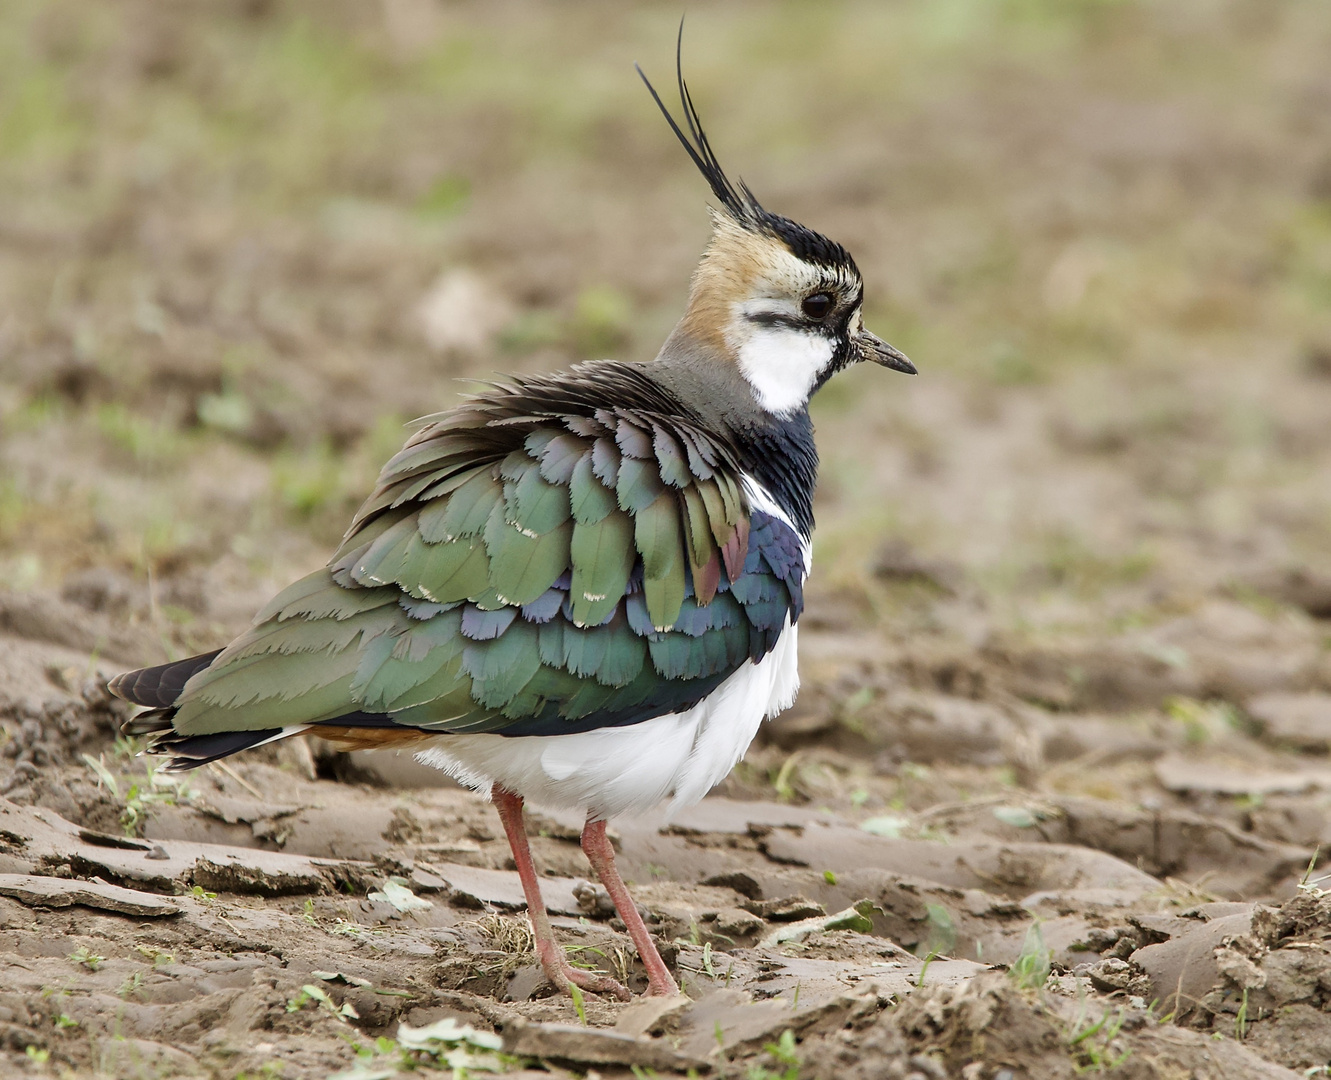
[[680, 756]]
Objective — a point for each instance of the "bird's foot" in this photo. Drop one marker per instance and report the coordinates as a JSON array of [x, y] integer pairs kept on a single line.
[[662, 986], [562, 975], [597, 984]]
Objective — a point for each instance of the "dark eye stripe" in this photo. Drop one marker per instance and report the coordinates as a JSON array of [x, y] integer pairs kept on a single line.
[[776, 318]]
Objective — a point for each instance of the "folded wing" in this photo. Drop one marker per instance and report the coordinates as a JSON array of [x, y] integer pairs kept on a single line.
[[531, 564]]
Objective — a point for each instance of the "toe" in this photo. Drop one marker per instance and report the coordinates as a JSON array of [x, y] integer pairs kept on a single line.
[[598, 984], [562, 975]]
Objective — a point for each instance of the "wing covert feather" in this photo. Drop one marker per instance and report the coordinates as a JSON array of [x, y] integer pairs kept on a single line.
[[523, 567]]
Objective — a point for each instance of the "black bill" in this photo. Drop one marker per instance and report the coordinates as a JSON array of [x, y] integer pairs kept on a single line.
[[879, 351]]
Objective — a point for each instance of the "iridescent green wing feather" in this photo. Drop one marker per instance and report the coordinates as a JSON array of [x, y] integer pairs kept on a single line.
[[533, 563]]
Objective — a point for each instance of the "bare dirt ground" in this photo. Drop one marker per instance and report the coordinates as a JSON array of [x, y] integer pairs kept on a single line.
[[1054, 798]]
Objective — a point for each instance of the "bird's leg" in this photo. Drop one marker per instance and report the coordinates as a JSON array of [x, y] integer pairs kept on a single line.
[[556, 966], [601, 854]]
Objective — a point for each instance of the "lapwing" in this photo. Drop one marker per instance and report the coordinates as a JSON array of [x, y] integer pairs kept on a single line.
[[583, 588]]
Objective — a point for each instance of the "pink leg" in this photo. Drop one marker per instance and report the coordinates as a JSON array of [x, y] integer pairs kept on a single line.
[[601, 854], [553, 962]]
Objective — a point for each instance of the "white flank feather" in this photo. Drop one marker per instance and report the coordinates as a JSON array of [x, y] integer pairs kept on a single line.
[[680, 756]]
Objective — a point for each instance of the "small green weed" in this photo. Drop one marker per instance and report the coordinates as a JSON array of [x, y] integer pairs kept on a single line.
[[309, 992], [88, 959], [159, 957], [157, 788], [131, 985], [1030, 971], [105, 778], [785, 1053], [924, 969], [579, 1006], [1091, 1044]]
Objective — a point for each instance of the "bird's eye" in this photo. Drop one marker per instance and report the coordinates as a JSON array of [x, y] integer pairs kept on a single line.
[[817, 306]]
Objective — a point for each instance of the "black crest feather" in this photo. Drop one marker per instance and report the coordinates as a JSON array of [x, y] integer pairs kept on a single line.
[[739, 202]]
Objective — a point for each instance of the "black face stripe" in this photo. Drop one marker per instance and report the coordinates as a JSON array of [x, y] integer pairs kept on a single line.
[[826, 327], [781, 319], [833, 325]]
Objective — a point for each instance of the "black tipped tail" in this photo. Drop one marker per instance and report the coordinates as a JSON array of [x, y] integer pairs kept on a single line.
[[159, 687], [191, 751]]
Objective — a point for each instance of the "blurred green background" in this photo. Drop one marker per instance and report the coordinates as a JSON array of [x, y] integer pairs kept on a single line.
[[243, 241]]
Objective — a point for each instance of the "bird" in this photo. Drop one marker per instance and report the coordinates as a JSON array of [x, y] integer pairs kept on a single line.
[[581, 589]]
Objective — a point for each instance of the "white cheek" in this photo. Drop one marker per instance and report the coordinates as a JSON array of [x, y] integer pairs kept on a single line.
[[783, 365]]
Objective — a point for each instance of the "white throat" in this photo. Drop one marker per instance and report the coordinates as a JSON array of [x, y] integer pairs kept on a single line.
[[782, 365]]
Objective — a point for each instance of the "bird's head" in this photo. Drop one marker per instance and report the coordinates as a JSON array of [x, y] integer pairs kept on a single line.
[[776, 299]]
